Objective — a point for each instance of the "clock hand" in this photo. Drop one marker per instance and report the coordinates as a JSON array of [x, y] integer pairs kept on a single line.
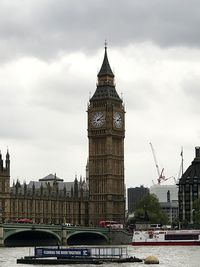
[[100, 118]]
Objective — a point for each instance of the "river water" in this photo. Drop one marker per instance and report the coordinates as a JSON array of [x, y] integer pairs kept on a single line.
[[168, 256]]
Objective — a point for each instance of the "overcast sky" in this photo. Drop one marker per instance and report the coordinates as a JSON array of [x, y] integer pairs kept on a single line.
[[50, 53]]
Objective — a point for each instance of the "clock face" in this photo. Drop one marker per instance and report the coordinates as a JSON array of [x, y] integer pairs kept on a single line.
[[117, 118], [98, 119]]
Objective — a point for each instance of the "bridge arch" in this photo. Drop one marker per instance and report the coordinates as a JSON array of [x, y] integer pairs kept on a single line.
[[31, 237], [87, 238]]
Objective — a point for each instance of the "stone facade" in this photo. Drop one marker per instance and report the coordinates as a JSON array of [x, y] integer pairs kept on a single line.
[[49, 200], [106, 132], [189, 189]]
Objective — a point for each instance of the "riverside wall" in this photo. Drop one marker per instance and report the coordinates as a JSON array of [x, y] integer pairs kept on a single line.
[[120, 237]]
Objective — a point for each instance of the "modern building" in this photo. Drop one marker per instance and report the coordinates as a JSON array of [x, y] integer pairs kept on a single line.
[[102, 195], [189, 189], [165, 192], [106, 132], [135, 195], [168, 198]]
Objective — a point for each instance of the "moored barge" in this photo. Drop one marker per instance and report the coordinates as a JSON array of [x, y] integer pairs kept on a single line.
[[79, 255]]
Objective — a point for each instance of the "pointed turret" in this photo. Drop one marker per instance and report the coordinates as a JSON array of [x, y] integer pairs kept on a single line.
[[105, 68], [25, 188], [105, 85], [55, 180], [17, 186], [7, 155], [81, 180], [7, 161], [76, 187], [105, 75], [33, 188]]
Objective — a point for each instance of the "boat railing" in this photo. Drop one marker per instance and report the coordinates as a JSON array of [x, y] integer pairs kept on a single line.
[[109, 252]]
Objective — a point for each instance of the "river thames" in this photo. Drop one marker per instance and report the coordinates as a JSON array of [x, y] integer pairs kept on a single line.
[[168, 256]]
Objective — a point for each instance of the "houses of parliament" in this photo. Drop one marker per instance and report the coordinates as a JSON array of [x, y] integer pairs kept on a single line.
[[101, 196]]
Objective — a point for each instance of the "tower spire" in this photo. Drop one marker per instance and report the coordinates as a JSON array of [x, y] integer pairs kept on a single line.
[[105, 68], [7, 154], [105, 44], [106, 84], [7, 160]]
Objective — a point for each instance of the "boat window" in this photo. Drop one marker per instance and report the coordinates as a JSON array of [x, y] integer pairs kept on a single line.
[[155, 226], [181, 237]]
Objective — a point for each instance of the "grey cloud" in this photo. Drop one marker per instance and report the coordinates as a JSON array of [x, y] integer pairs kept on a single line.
[[140, 95], [61, 95], [191, 90], [44, 28], [14, 125]]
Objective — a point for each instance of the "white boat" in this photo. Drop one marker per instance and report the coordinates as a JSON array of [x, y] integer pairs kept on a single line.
[[166, 238]]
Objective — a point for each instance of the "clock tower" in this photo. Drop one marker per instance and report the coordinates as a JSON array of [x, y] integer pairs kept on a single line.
[[106, 132]]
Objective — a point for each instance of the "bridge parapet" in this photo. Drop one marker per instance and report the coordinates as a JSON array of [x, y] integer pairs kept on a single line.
[[64, 233]]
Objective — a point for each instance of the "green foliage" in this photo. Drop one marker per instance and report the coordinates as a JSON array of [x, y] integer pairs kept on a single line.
[[175, 223], [131, 219], [149, 210], [196, 205]]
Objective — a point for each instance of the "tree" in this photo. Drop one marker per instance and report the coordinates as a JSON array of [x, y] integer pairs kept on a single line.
[[175, 223], [149, 210]]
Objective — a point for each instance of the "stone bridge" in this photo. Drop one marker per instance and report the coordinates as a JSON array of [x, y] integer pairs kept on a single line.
[[18, 234]]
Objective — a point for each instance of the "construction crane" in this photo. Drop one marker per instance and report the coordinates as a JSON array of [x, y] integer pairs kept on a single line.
[[161, 176], [160, 173]]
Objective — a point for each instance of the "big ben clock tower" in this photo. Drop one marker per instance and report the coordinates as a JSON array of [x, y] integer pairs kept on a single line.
[[106, 132]]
